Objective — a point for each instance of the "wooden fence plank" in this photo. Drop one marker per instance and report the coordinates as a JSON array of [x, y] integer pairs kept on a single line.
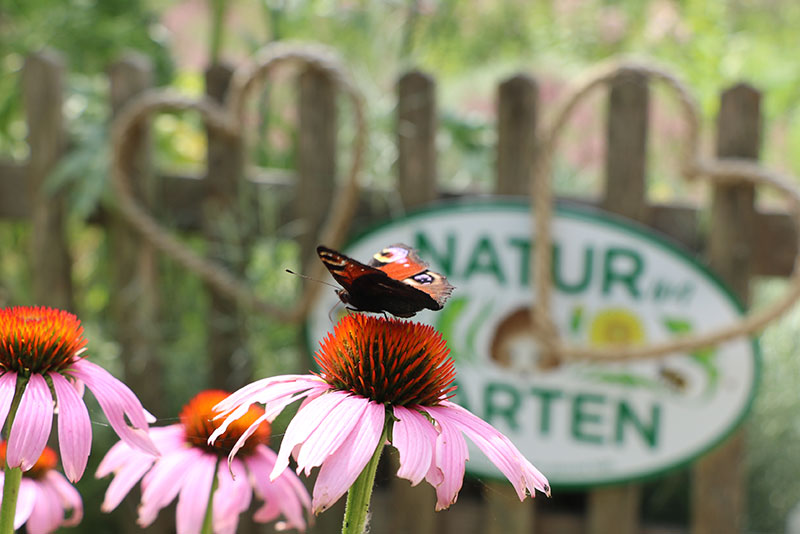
[[316, 157], [516, 132], [14, 204], [718, 485], [416, 138], [315, 182], [616, 508], [51, 264], [412, 511], [135, 299], [225, 224]]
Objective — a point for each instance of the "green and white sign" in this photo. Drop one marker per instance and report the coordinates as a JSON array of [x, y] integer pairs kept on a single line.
[[614, 282]]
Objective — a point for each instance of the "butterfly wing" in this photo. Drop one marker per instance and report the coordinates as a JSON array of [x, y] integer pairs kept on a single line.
[[344, 269], [401, 262], [396, 281]]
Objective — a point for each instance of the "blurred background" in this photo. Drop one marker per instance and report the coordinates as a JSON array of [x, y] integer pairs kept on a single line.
[[467, 49]]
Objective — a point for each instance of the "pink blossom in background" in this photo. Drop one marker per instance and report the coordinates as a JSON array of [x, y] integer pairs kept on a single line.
[[187, 467], [46, 347], [374, 371], [46, 500]]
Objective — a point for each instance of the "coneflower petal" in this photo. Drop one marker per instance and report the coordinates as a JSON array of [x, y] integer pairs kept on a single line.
[[232, 497], [74, 428], [331, 432], [286, 494], [28, 494], [162, 484], [497, 447], [195, 491], [47, 513], [32, 424], [451, 458], [70, 498], [342, 467], [300, 428], [8, 384], [118, 403], [414, 437]]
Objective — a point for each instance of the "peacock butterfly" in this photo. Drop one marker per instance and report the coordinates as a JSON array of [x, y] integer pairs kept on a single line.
[[396, 281]]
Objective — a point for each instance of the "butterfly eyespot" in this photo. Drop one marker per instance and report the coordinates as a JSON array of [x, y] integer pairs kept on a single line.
[[423, 278]]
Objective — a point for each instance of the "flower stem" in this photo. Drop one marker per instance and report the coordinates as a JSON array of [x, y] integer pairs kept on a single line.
[[13, 476], [208, 521], [360, 493]]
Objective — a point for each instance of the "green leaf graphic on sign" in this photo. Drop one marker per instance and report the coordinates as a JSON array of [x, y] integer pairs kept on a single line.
[[446, 324], [704, 356]]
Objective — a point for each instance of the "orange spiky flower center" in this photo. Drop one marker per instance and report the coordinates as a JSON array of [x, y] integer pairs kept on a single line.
[[45, 463], [387, 360], [197, 418], [37, 339]]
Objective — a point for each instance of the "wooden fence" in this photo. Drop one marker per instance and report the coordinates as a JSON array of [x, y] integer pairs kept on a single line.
[[741, 242]]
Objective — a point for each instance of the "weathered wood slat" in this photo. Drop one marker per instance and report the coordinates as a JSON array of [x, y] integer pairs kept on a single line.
[[416, 138], [616, 508], [225, 228], [50, 258], [718, 481], [135, 299], [14, 202], [516, 130]]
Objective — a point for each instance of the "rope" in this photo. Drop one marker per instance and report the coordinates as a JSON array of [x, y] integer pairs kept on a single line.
[[727, 171], [229, 121]]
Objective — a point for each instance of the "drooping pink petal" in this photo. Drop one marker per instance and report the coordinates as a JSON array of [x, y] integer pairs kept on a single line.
[[266, 390], [306, 420], [69, 496], [32, 424], [8, 384], [74, 428], [286, 494], [451, 457], [498, 448], [195, 495], [276, 395], [118, 403], [48, 511], [28, 495], [163, 482], [330, 433], [232, 497], [342, 467], [414, 437], [127, 473], [245, 436]]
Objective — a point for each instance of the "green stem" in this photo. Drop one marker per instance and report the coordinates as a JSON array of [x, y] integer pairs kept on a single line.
[[208, 521], [360, 493], [13, 476]]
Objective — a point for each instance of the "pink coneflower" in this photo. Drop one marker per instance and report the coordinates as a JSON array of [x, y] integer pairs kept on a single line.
[[45, 496], [42, 358], [379, 377], [187, 466]]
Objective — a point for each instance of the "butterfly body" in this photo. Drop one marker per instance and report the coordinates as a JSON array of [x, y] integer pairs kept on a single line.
[[395, 281]]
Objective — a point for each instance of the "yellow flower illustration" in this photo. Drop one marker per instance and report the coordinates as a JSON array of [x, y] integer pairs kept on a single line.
[[615, 326]]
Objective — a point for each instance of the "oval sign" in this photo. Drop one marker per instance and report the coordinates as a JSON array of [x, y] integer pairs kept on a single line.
[[614, 282]]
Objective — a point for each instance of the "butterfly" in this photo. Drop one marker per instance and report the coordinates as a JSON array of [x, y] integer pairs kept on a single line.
[[395, 281]]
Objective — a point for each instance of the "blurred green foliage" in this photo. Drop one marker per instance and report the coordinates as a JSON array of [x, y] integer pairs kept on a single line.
[[469, 47]]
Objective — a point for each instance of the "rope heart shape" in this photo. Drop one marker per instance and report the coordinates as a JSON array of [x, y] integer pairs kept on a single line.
[[725, 171], [228, 121]]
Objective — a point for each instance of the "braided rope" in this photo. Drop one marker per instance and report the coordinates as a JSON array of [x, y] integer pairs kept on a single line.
[[228, 121], [729, 171]]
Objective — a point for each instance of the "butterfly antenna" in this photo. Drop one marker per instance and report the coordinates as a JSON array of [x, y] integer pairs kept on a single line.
[[312, 279]]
